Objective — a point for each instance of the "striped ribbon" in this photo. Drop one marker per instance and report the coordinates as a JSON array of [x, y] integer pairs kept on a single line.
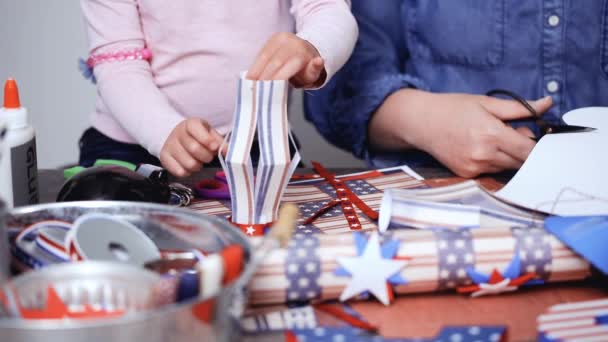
[[346, 198]]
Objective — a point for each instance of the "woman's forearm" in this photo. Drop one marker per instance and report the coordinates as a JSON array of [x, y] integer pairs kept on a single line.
[[395, 125]]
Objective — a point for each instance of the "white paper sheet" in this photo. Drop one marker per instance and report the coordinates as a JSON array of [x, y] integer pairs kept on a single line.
[[567, 173]]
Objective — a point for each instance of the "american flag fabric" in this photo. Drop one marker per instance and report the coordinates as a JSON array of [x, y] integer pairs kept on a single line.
[[436, 260], [310, 323], [261, 105], [447, 334], [578, 321], [280, 320], [312, 195]]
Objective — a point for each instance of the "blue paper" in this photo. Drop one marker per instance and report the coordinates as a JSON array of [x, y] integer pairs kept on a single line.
[[586, 235]]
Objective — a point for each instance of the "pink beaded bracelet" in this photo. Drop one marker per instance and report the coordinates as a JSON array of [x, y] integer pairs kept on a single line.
[[138, 54]]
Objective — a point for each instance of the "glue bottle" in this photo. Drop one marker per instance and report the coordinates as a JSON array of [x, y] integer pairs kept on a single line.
[[18, 165]]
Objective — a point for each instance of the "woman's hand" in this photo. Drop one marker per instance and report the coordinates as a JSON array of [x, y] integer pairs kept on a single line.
[[288, 57], [191, 144], [464, 132]]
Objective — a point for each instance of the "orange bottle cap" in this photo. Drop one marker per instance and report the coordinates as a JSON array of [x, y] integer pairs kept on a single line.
[[11, 95]]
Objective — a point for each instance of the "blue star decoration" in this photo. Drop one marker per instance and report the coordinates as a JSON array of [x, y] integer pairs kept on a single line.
[[448, 333], [388, 251], [498, 282]]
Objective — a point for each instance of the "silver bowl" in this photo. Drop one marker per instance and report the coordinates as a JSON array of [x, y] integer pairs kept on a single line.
[[170, 228]]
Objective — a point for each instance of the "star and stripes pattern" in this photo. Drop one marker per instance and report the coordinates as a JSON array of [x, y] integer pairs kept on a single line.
[[303, 268], [578, 321], [312, 195], [309, 323], [279, 320], [534, 246], [481, 249], [343, 334], [455, 255]]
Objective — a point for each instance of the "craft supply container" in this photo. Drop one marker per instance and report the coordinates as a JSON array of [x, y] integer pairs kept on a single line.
[[169, 227]]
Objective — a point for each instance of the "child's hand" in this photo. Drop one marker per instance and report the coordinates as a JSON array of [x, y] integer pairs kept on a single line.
[[288, 57], [191, 144]]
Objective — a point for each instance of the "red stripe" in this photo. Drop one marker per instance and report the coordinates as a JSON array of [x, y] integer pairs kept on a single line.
[[347, 198], [52, 243], [344, 316], [290, 336]]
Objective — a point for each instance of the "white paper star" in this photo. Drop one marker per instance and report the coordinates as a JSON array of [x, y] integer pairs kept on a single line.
[[369, 271], [492, 289], [250, 230]]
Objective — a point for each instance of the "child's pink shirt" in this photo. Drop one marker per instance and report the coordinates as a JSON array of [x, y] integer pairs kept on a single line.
[[199, 49]]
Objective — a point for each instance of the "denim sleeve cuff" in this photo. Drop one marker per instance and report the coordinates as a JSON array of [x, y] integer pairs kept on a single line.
[[371, 95]]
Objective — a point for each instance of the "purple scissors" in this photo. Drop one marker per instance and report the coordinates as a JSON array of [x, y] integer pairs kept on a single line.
[[215, 188]]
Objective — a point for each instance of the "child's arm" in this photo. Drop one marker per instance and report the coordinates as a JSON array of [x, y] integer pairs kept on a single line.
[[326, 35], [128, 90]]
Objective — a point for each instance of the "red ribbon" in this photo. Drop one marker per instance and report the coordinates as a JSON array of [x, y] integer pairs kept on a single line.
[[344, 316], [257, 229], [346, 198]]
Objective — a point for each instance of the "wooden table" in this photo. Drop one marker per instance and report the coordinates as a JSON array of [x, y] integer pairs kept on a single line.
[[423, 315]]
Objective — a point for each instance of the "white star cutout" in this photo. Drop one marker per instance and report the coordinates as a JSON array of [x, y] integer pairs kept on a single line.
[[250, 230], [369, 271], [490, 289]]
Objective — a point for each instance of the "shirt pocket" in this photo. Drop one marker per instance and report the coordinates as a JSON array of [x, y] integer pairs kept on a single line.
[[463, 32], [604, 43]]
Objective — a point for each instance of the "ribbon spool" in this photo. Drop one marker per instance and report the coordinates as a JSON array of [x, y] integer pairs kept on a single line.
[[51, 239], [106, 238], [33, 250]]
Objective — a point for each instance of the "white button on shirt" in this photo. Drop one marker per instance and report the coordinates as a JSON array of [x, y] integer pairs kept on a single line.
[[553, 20], [552, 86]]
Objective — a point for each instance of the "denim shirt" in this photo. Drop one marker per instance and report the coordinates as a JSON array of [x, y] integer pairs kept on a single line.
[[534, 48]]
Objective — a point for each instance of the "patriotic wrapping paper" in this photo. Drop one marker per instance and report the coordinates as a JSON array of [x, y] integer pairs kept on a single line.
[[343, 334], [579, 321], [342, 323], [436, 260], [312, 195], [260, 105]]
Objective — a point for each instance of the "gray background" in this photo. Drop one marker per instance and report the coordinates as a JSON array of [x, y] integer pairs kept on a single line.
[[40, 42]]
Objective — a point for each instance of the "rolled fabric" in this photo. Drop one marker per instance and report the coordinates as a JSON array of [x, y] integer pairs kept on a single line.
[[437, 260]]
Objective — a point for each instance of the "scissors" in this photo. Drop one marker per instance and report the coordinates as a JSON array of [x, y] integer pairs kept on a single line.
[[215, 188], [544, 126]]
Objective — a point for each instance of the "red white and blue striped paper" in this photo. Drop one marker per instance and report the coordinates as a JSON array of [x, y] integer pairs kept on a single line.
[[261, 106], [579, 321]]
